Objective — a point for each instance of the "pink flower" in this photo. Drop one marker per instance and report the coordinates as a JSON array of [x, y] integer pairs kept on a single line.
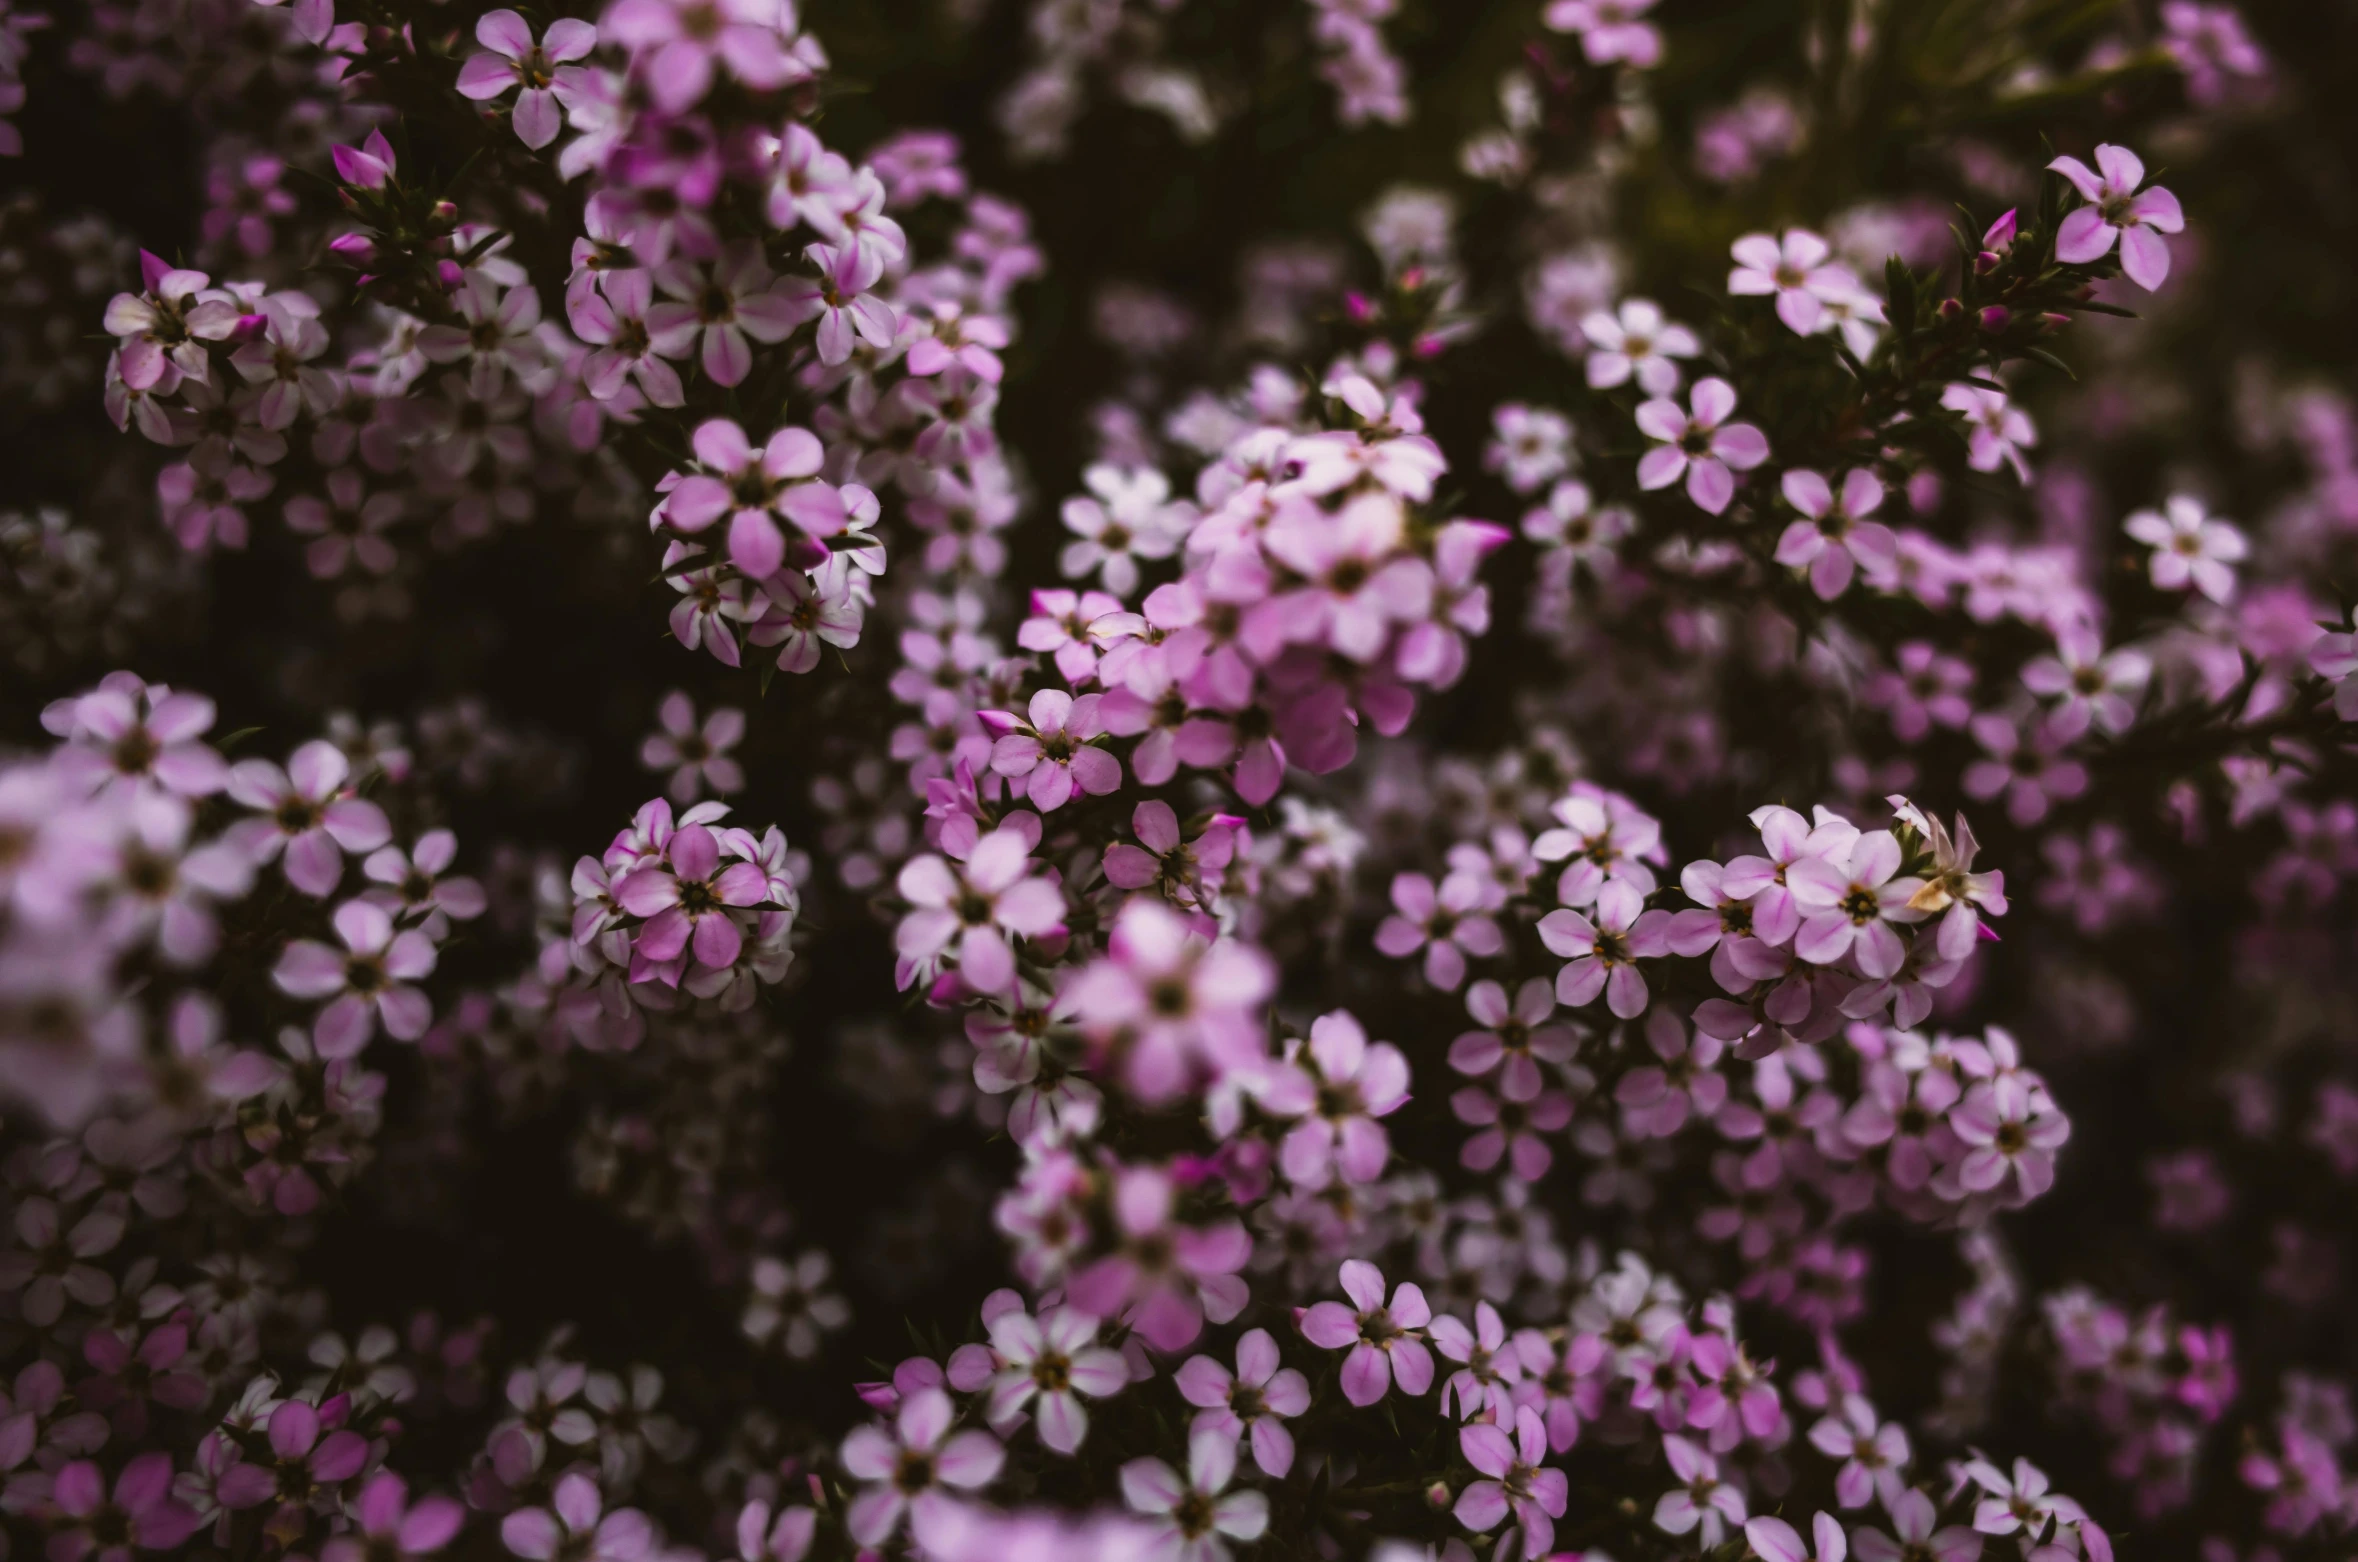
[[1164, 1279], [578, 1527], [1252, 1403], [696, 759], [726, 301], [974, 906], [1658, 1097], [1386, 1342], [676, 45], [1051, 753], [1702, 446], [1447, 926], [1187, 873], [1874, 1453], [1705, 1505], [1603, 952], [1177, 1004], [801, 614], [2089, 685], [1912, 1517], [1354, 1083], [1637, 343], [131, 733], [839, 298], [1795, 270], [1848, 904], [1609, 30], [1510, 1130], [1487, 1365], [368, 980], [391, 1528], [1996, 431], [308, 813], [1127, 516], [2116, 209], [2012, 1129], [516, 60], [1516, 1482], [755, 488], [2190, 547], [910, 1464], [613, 318], [2031, 772], [687, 895], [1834, 539], [1516, 1040], [1052, 1359], [1193, 1514], [142, 1512], [1774, 1540], [760, 1540]]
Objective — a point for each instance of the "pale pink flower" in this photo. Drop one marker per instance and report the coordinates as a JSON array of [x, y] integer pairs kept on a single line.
[[1515, 1132], [1252, 1403], [841, 300], [412, 884], [2090, 686], [1177, 1005], [698, 758], [1386, 1342], [1051, 752], [308, 812], [1798, 270], [576, 1527], [687, 896], [1609, 30], [1348, 1084], [2027, 767], [2118, 209], [910, 1464], [84, 1522], [1658, 1097], [1163, 1278], [1996, 431], [1774, 1540], [1874, 1453], [1848, 905], [129, 734], [755, 488], [1050, 1361], [676, 46], [1705, 1505], [1193, 1516], [2012, 1130], [516, 60], [1603, 951], [389, 1527], [369, 979], [1515, 1481], [1515, 1039], [2190, 547], [613, 318], [1636, 342], [1912, 1518], [1834, 538], [968, 910], [729, 302], [1128, 515], [1701, 445], [1447, 925], [1488, 1366]]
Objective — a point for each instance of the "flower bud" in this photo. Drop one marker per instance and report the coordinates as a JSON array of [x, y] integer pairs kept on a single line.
[[355, 249], [1996, 317], [1950, 309], [1985, 263], [1438, 1494]]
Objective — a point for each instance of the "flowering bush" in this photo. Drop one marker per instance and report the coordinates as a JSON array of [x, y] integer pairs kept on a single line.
[[1162, 779]]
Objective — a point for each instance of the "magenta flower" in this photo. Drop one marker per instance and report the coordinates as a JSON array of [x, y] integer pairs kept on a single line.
[[971, 908], [2190, 547], [1603, 952], [1794, 270], [1192, 1515], [2029, 769], [576, 1528], [305, 1456], [697, 758], [393, 1529], [368, 980], [349, 524], [688, 895], [1447, 925], [1386, 1342], [1701, 445], [1516, 1483], [2117, 209], [909, 1465], [1609, 30], [1848, 905], [1052, 753], [1510, 1130], [1350, 1083], [516, 60], [1251, 1403], [1052, 1360], [142, 1513], [1189, 873], [1515, 1039], [1834, 539], [308, 813], [614, 318], [755, 488]]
